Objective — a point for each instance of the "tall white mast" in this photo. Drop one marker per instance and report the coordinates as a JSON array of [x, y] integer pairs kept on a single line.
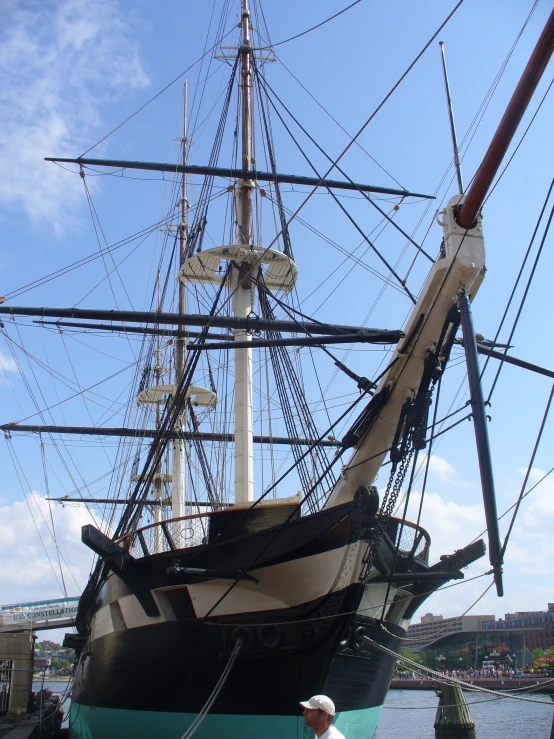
[[178, 456], [280, 274], [242, 288]]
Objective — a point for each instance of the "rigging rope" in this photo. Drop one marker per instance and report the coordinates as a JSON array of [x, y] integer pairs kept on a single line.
[[157, 95], [374, 113], [448, 680], [193, 728], [529, 467], [365, 195], [313, 28]]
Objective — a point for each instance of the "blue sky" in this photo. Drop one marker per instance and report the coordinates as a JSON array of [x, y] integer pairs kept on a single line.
[[73, 71]]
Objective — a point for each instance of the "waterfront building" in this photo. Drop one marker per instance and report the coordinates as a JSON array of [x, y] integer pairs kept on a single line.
[[464, 642], [434, 627], [476, 649], [538, 625]]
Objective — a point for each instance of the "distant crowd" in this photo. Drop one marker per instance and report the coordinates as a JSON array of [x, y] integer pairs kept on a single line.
[[493, 673]]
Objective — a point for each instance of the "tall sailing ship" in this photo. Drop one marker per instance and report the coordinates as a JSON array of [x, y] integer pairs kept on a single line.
[[234, 585]]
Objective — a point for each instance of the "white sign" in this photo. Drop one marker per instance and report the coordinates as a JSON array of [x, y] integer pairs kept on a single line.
[[25, 615]]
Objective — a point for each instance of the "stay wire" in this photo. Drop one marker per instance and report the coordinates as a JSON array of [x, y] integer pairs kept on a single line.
[[309, 30], [47, 486], [451, 680], [157, 95], [543, 478], [365, 195], [31, 512], [525, 292], [17, 463], [372, 116], [337, 201], [529, 468]]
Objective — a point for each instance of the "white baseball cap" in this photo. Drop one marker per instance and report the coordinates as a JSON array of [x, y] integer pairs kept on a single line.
[[322, 702]]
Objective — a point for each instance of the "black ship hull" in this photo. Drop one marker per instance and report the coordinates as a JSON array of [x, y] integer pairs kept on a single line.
[[155, 651]]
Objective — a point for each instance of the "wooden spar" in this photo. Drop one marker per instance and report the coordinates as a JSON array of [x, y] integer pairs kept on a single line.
[[381, 337], [229, 172], [507, 127], [188, 319], [134, 330], [10, 428]]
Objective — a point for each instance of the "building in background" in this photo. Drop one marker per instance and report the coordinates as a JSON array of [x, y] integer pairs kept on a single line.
[[433, 627], [539, 626], [465, 642]]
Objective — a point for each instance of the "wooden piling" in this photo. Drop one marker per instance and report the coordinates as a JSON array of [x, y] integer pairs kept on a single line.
[[453, 717]]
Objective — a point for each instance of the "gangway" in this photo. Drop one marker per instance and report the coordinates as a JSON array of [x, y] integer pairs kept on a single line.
[[38, 615]]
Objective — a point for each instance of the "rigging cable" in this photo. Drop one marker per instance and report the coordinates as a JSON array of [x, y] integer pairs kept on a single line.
[[157, 95], [550, 471], [337, 201], [85, 260], [313, 28], [375, 111], [529, 467], [193, 728], [450, 680], [526, 291], [47, 486], [365, 195]]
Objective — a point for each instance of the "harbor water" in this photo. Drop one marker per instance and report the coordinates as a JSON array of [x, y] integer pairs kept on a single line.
[[410, 714]]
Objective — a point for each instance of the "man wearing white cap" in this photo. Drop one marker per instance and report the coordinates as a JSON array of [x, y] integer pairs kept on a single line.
[[319, 713]]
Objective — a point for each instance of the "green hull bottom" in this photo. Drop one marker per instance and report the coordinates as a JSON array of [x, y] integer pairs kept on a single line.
[[88, 722]]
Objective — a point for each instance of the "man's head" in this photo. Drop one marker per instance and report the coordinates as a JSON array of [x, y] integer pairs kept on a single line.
[[319, 712]]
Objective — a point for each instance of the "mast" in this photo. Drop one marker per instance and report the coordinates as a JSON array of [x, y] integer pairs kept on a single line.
[[178, 456], [242, 288], [158, 473]]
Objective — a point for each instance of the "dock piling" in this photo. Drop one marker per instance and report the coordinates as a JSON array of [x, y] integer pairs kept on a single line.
[[453, 716]]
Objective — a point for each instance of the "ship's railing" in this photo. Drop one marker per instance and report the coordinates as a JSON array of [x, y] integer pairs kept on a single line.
[[192, 531], [165, 536], [410, 539]]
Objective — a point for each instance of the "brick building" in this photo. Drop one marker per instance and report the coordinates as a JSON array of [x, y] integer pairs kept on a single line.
[[538, 625]]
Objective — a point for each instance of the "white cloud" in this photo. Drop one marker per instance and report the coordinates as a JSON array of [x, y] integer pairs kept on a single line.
[[29, 572], [443, 469], [451, 524], [7, 364], [60, 62], [529, 555]]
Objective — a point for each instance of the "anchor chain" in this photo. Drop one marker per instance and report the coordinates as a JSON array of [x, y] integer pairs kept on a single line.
[[410, 433], [394, 486]]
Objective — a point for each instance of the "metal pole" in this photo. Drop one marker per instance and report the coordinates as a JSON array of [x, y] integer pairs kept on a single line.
[[482, 439], [508, 126], [451, 117]]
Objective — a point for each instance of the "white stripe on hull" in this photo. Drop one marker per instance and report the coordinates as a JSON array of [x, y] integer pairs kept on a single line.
[[279, 586]]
